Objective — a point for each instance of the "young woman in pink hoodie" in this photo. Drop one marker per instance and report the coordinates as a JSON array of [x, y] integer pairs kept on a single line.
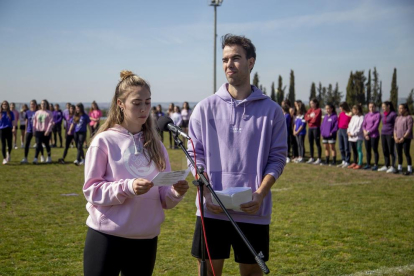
[[125, 209]]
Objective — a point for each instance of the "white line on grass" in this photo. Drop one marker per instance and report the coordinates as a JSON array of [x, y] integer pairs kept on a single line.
[[281, 189], [350, 183], [385, 271]]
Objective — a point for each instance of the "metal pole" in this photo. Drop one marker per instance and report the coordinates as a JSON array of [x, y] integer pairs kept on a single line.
[[215, 46]]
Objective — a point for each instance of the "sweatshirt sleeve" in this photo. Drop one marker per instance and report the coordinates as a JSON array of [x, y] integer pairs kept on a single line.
[[364, 124], [49, 123], [307, 115], [278, 148], [34, 122], [334, 124], [195, 132], [169, 198], [410, 126], [99, 191]]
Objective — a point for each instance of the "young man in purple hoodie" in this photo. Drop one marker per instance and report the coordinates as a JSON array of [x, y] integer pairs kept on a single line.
[[240, 139]]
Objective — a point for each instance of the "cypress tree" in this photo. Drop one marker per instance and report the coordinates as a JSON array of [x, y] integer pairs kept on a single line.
[[273, 92], [323, 97], [410, 101], [337, 96], [375, 89], [380, 94], [291, 95], [369, 99], [359, 87], [256, 80], [350, 95], [320, 97], [329, 98], [312, 94], [394, 89], [280, 95], [264, 90]]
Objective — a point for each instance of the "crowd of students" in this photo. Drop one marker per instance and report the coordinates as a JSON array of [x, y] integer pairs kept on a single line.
[[44, 122], [352, 129], [180, 117]]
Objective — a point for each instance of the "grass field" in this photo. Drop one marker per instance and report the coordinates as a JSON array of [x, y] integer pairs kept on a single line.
[[326, 221]]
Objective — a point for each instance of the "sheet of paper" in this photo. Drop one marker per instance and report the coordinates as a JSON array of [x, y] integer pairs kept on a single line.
[[169, 178]]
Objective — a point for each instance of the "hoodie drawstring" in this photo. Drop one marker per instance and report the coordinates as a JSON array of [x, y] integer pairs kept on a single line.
[[244, 110], [135, 145]]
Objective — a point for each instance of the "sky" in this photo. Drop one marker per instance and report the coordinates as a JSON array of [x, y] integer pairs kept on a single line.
[[74, 50]]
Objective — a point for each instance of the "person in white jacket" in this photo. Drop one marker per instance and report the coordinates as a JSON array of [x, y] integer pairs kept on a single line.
[[356, 136]]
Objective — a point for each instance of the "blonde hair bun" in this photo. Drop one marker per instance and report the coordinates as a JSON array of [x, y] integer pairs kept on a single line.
[[125, 74]]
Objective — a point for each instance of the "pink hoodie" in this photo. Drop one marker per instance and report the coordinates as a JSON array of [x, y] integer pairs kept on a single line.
[[114, 159], [43, 121]]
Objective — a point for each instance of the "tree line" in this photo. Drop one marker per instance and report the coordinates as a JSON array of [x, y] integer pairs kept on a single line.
[[360, 90]]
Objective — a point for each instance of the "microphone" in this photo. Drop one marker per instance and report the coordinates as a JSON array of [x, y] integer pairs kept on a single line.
[[166, 124]]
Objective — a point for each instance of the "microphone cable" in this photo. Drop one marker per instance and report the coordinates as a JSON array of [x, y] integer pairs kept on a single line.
[[201, 213]]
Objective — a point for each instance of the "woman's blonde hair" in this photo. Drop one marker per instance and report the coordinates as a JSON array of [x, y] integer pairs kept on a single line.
[[152, 143]]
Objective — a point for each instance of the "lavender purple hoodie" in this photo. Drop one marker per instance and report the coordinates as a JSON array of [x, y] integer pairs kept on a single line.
[[110, 169], [371, 123], [388, 123], [329, 125], [239, 144]]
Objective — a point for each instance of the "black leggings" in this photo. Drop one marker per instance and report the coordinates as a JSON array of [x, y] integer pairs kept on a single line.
[[294, 145], [372, 143], [69, 139], [6, 135], [406, 146], [107, 255], [315, 135], [388, 148], [80, 138], [41, 138], [300, 139], [28, 139], [57, 129]]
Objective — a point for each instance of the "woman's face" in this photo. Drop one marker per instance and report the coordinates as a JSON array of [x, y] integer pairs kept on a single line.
[[32, 106], [56, 107], [401, 110], [137, 105], [43, 105], [385, 108], [292, 111], [4, 106], [354, 111], [12, 106], [78, 110], [312, 104], [328, 109], [71, 110], [371, 108]]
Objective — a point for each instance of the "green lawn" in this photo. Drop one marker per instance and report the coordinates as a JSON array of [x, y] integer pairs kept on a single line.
[[326, 221]]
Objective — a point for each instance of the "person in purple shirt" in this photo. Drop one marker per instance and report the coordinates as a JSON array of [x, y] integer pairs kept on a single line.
[[7, 128], [387, 136], [289, 129], [371, 134], [403, 134], [57, 127], [29, 130], [69, 133], [240, 138], [81, 121], [329, 128]]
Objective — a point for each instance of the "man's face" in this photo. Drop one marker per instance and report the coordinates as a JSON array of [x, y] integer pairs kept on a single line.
[[236, 66]]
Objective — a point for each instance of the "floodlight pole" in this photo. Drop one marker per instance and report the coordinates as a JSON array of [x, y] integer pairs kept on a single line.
[[215, 3]]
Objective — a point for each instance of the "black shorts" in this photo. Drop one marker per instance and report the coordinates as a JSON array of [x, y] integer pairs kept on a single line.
[[184, 123], [22, 127], [221, 235]]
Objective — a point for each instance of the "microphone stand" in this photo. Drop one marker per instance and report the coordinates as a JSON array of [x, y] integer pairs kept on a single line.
[[201, 182]]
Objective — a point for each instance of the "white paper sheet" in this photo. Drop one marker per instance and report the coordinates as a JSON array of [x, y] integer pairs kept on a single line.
[[233, 197], [169, 178]]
